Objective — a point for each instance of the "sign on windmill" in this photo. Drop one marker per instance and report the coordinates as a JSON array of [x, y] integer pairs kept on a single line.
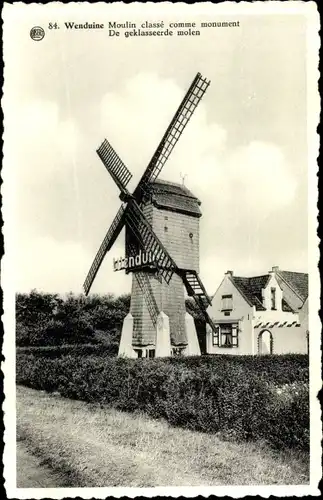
[[161, 221]]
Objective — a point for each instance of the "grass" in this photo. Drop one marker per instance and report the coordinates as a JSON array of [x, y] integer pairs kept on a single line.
[[96, 447], [33, 472]]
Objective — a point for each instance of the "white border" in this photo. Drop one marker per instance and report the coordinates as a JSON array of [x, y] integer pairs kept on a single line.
[[309, 10]]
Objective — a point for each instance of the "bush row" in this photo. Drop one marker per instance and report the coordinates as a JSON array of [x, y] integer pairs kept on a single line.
[[104, 350], [230, 399], [278, 369], [50, 319]]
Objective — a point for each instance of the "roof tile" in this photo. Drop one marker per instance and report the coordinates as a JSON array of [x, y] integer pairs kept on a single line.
[[251, 287], [297, 281]]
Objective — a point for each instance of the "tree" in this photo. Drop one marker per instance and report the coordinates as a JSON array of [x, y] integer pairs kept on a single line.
[[48, 319], [34, 312]]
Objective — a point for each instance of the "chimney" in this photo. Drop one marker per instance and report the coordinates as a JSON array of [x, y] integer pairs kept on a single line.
[[275, 269], [229, 273]]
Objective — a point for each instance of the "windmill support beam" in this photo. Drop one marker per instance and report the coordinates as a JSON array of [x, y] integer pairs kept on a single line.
[[163, 347], [125, 346], [193, 346]]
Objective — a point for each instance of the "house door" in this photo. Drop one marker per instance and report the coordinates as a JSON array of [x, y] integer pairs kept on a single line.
[[265, 342]]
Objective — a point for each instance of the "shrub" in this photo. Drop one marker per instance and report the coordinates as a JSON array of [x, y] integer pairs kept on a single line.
[[230, 395], [288, 415], [278, 369], [48, 319], [76, 350]]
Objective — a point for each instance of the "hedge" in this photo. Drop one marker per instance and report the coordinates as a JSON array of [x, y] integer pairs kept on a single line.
[[278, 369], [77, 350], [204, 394]]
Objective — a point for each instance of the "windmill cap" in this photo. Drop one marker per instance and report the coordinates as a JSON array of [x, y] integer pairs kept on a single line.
[[173, 188], [173, 196]]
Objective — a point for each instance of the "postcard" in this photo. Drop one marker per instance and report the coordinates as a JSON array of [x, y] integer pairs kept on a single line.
[[160, 269]]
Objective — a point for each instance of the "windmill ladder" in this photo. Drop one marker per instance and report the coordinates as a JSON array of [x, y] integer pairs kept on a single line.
[[196, 289]]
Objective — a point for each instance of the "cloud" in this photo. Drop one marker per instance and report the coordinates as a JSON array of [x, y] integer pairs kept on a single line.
[[240, 189], [262, 177], [66, 201], [48, 145], [214, 266], [47, 158], [46, 264], [135, 119], [255, 176]]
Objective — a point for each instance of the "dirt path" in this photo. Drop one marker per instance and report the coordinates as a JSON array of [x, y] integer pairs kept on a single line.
[[31, 473], [100, 447]]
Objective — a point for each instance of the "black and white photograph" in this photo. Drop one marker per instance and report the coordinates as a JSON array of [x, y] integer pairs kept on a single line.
[[160, 269]]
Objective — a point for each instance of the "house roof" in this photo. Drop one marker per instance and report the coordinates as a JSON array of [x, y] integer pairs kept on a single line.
[[251, 287], [173, 196], [297, 281]]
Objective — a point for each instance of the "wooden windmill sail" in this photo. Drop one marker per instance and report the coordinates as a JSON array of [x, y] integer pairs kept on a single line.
[[159, 282]]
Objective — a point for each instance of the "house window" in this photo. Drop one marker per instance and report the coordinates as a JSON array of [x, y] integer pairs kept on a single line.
[[139, 352], [150, 353], [273, 298], [216, 336], [226, 335], [229, 335], [227, 303]]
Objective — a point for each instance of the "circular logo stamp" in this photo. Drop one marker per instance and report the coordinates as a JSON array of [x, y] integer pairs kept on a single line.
[[37, 33]]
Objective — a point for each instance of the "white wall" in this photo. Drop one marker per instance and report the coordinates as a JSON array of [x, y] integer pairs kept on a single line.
[[303, 319], [242, 314], [303, 316], [272, 283], [286, 340]]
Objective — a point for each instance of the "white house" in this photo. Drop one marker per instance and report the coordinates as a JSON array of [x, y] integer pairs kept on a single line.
[[260, 315]]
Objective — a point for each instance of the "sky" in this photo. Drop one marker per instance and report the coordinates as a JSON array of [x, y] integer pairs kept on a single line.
[[243, 153]]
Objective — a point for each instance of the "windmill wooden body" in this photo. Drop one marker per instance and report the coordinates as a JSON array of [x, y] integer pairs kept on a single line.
[[162, 247]]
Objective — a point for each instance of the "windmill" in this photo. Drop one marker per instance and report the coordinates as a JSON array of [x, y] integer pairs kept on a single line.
[[162, 245]]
